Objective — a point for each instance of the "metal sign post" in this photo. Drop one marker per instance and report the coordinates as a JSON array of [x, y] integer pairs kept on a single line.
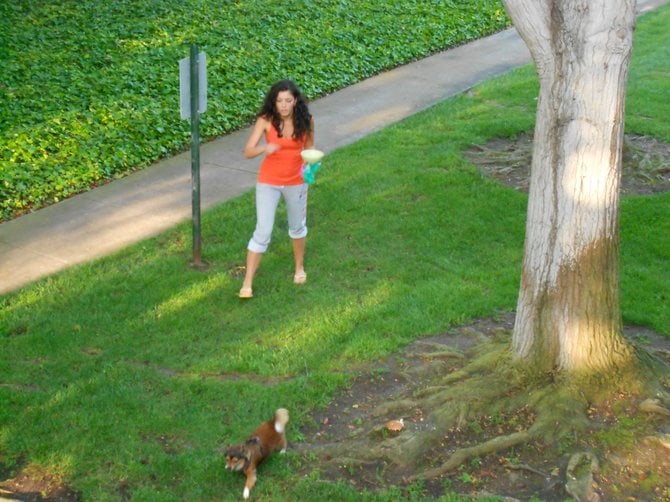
[[193, 97]]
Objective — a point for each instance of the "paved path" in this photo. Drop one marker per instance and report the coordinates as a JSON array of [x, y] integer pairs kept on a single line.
[[110, 217]]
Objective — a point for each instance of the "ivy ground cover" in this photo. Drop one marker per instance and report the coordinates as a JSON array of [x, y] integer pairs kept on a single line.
[[89, 91]]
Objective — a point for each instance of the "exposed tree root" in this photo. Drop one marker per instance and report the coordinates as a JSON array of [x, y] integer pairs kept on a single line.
[[662, 439], [654, 406], [441, 354], [464, 454], [579, 474], [392, 408], [440, 350], [432, 369], [462, 396], [524, 467]]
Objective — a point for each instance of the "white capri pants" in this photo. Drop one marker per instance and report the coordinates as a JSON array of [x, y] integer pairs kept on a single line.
[[267, 200]]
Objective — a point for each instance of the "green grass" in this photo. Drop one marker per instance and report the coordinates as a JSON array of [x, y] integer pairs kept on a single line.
[[125, 375], [89, 91]]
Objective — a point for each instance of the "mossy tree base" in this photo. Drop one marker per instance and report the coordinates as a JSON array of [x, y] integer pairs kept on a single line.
[[466, 405]]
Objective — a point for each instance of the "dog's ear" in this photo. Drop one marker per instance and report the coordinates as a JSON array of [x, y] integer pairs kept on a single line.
[[252, 441], [236, 452], [239, 452]]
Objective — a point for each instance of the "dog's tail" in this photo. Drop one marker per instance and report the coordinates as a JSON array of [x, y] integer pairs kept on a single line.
[[281, 419]]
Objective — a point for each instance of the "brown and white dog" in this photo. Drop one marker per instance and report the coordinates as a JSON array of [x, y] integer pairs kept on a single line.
[[269, 436]]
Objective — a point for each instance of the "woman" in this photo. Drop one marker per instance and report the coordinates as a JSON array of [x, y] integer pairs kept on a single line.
[[287, 126]]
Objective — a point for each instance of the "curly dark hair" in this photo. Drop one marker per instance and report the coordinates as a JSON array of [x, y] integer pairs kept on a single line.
[[302, 119]]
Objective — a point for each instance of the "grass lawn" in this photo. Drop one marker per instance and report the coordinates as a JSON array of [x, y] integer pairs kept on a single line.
[[124, 377]]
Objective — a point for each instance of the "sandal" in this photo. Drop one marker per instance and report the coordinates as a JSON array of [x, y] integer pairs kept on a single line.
[[300, 277], [246, 293]]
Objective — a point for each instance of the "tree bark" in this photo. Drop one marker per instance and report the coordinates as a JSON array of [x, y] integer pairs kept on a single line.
[[568, 313]]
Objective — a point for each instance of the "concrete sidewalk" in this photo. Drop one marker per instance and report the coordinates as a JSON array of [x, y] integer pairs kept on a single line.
[[108, 218]]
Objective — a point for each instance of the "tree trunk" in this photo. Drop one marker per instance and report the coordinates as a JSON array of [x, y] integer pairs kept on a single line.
[[568, 314]]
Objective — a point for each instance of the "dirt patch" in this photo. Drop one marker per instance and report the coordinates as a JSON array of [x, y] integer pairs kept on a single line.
[[638, 469], [33, 483], [645, 163]]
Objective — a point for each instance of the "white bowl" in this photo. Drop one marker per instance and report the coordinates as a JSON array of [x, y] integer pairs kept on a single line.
[[312, 156]]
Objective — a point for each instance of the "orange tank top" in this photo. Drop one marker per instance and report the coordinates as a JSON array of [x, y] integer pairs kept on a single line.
[[283, 166]]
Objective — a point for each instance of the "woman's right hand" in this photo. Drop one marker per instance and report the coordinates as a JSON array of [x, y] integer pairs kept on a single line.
[[254, 148]]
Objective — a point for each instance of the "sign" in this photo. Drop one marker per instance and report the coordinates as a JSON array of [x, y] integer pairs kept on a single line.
[[185, 85]]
